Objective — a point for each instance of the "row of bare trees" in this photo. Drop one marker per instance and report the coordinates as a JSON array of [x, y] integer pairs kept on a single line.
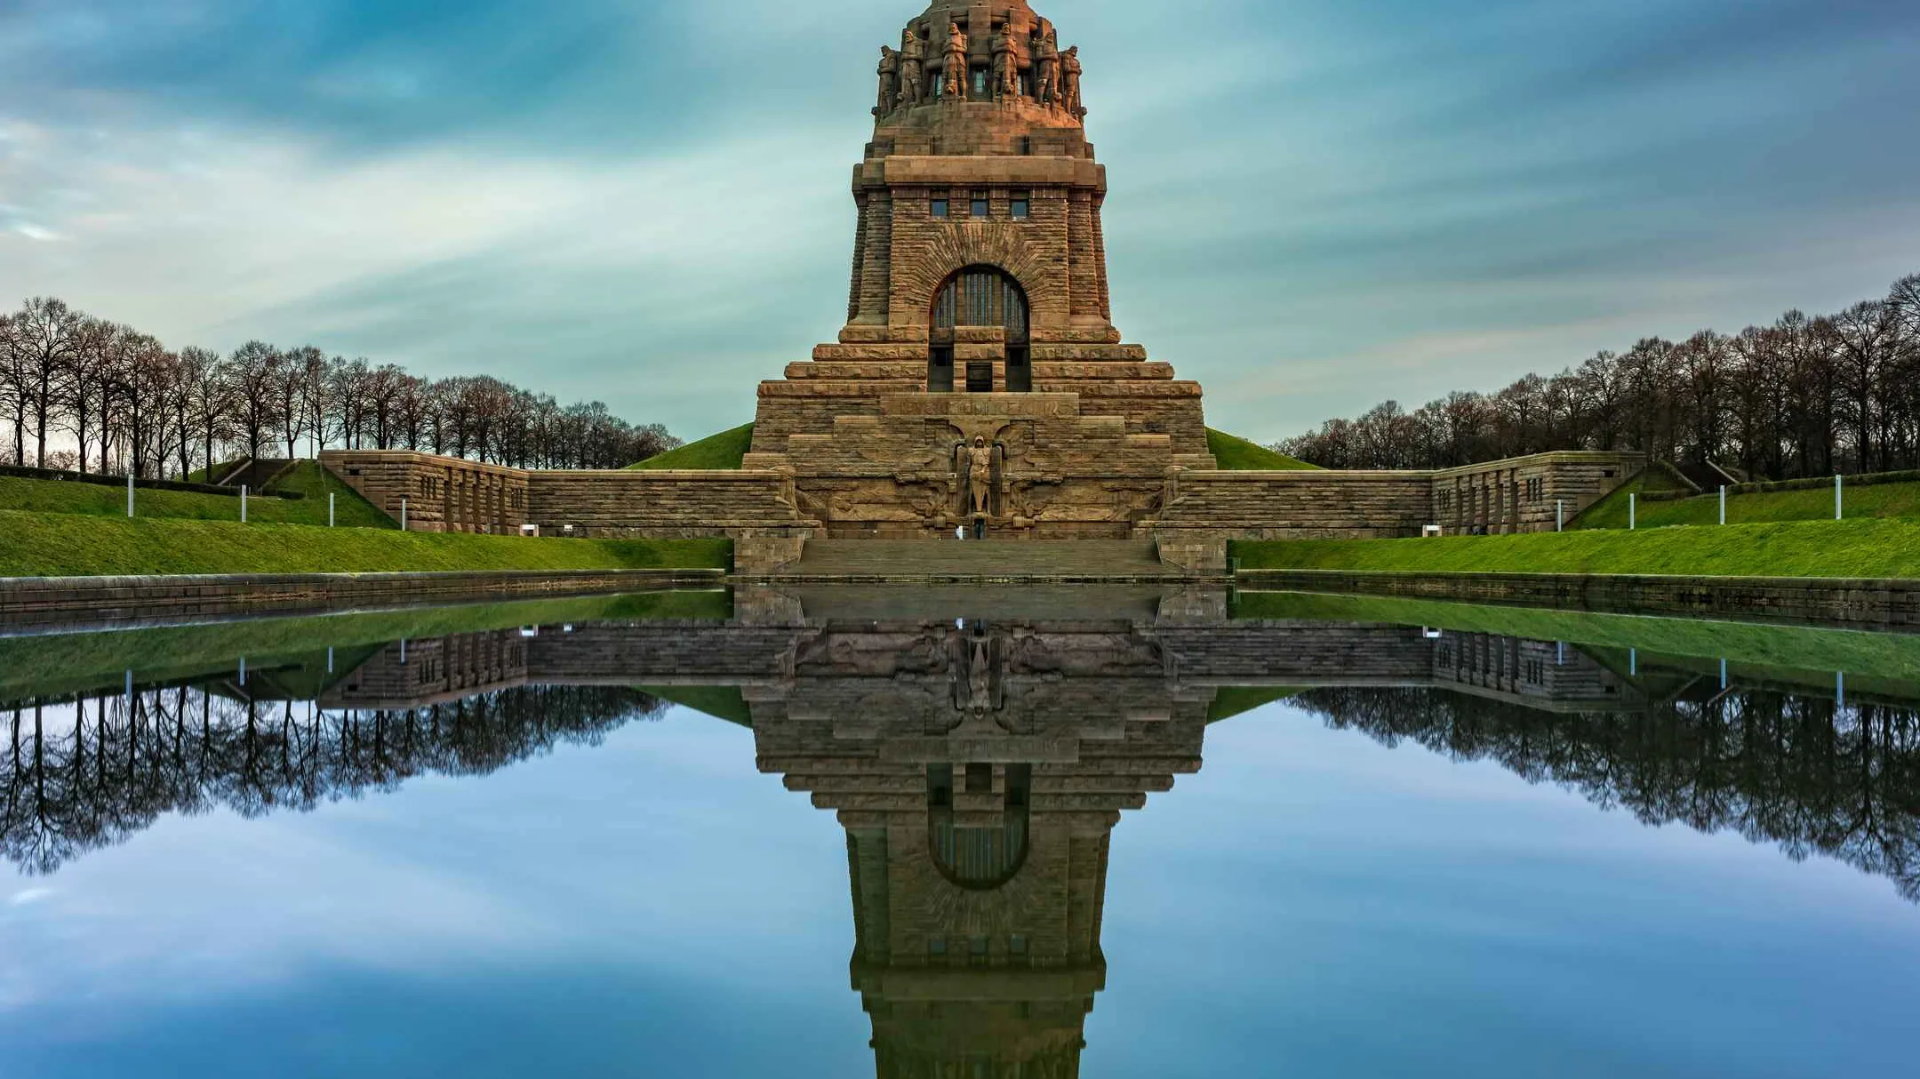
[[1803, 397], [84, 773], [86, 393]]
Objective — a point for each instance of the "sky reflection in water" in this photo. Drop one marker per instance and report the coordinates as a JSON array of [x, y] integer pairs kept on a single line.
[[1311, 902]]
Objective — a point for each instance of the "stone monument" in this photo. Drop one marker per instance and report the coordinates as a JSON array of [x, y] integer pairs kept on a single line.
[[979, 337]]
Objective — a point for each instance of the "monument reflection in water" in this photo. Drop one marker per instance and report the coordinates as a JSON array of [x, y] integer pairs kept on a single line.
[[978, 765]]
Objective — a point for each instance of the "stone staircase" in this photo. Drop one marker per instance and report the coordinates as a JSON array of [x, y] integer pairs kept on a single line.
[[979, 561]]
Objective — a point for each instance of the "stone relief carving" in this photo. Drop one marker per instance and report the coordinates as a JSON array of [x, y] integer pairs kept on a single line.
[[913, 68], [889, 81], [954, 70], [980, 475]]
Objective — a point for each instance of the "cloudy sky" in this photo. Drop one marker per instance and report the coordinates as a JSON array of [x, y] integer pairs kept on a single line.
[[1315, 203]]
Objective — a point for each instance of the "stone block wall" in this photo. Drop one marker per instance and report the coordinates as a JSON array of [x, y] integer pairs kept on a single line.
[[440, 494], [1204, 510], [756, 509]]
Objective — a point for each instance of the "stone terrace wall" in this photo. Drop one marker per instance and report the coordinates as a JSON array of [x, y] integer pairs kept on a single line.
[[441, 494], [1525, 494], [756, 509], [1206, 509]]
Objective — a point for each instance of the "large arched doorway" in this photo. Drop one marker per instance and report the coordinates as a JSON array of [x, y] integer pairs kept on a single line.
[[978, 296]]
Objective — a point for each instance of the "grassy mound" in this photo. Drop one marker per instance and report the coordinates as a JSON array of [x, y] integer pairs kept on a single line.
[[1760, 507], [306, 478], [77, 545], [724, 451], [1861, 548], [1238, 455]]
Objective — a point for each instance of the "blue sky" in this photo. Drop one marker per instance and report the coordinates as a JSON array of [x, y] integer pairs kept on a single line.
[[1315, 203]]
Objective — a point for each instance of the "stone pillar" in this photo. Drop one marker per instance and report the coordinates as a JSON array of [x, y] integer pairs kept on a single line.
[[1103, 303], [1081, 275], [876, 274], [859, 258]]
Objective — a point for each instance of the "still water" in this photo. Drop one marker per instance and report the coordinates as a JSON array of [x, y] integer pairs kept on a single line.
[[935, 835]]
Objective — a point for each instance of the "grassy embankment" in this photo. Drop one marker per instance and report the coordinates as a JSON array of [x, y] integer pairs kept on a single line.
[[726, 449], [80, 545], [1858, 548], [307, 478], [722, 451], [51, 665], [1235, 454], [1863, 500]]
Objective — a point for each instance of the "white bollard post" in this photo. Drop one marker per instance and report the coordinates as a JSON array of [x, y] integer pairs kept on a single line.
[[329, 659], [1723, 503], [1633, 662], [129, 494], [243, 503], [1633, 513], [403, 651], [1560, 515], [1840, 690], [1723, 674], [403, 515], [329, 509], [243, 670], [1839, 503]]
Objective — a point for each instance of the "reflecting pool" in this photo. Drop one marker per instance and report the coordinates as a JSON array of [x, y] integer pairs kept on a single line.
[[950, 834]]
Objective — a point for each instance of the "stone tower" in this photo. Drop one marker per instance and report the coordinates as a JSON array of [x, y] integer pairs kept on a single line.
[[978, 312]]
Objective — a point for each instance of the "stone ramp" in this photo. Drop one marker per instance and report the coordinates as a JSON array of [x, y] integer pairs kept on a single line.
[[978, 561]]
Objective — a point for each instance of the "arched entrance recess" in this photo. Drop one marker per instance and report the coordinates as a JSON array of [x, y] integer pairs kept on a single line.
[[978, 296]]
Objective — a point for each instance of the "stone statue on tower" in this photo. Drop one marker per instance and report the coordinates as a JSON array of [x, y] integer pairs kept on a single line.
[[913, 68], [889, 81], [955, 61], [1046, 68]]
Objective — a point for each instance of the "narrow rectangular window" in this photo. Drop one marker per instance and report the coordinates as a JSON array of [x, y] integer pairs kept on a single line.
[[980, 206], [940, 208], [979, 84], [1022, 205]]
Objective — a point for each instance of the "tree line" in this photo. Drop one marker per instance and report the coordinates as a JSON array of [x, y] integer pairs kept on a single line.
[[124, 401], [82, 774], [1800, 772], [1806, 396]]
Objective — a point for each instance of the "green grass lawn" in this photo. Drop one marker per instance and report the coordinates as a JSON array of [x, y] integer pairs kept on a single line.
[[307, 477], [80, 545], [1236, 454], [724, 450], [1862, 500], [1859, 548]]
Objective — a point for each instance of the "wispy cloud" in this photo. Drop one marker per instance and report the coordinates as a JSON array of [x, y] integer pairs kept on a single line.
[[648, 202]]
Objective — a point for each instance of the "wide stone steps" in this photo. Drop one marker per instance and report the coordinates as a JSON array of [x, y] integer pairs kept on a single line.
[[985, 560]]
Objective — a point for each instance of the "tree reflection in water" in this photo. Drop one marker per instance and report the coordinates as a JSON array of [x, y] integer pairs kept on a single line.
[[979, 768], [76, 776]]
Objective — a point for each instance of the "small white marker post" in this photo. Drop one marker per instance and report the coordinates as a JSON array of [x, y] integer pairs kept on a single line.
[[1633, 662], [403, 515], [329, 659], [243, 670], [1633, 513], [1560, 515], [1840, 690], [329, 509], [243, 503], [129, 494], [1723, 503], [1839, 501], [1723, 674]]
